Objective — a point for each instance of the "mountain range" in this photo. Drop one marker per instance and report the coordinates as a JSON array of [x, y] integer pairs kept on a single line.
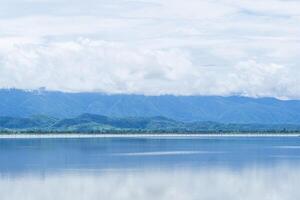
[[233, 109], [92, 123]]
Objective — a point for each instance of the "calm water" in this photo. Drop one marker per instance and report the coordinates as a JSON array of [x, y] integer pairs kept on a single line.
[[161, 168]]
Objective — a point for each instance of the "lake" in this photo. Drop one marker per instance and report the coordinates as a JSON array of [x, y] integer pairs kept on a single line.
[[150, 168]]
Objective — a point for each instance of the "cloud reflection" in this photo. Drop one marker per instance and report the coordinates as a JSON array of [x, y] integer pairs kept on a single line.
[[252, 184]]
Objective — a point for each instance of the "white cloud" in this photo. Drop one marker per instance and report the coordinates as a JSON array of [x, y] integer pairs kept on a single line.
[[85, 65], [267, 7], [93, 65], [41, 26], [206, 47], [265, 79]]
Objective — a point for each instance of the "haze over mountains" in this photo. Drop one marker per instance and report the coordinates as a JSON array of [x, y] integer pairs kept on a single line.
[[19, 103]]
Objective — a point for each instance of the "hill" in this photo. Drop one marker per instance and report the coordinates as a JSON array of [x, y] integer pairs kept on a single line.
[[98, 123], [234, 109]]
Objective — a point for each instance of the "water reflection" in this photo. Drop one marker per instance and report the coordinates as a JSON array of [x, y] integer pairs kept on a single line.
[[150, 168], [21, 156], [256, 183]]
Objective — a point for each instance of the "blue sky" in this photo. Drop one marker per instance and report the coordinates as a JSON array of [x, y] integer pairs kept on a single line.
[[190, 47]]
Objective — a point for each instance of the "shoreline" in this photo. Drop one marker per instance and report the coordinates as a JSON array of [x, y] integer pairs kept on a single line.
[[170, 135]]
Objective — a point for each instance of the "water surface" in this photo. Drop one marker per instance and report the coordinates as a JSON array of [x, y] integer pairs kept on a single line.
[[150, 168]]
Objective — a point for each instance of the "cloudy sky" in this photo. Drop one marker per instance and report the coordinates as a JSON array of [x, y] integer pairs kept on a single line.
[[153, 47]]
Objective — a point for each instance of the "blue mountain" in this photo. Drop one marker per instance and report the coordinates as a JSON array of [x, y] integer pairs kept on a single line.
[[91, 123], [234, 109]]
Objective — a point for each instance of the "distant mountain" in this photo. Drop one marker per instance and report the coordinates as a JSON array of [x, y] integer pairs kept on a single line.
[[235, 109], [89, 122], [100, 123]]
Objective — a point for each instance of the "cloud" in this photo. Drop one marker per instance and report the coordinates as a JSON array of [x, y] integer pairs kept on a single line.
[[93, 65], [269, 7], [248, 184], [221, 47], [85, 65], [61, 26], [265, 79]]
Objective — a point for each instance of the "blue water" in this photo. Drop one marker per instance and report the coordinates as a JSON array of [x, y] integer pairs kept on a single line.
[[21, 156], [147, 168]]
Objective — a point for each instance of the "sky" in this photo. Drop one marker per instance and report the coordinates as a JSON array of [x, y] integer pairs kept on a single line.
[[152, 47]]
